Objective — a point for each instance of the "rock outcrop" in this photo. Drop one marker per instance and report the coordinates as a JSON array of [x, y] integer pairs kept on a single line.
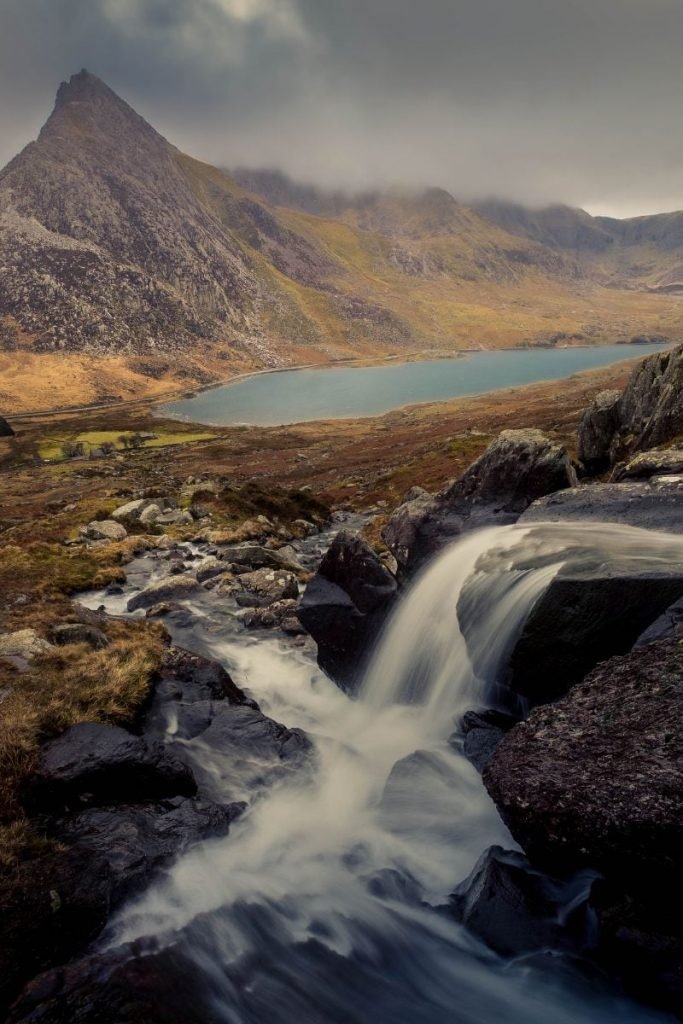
[[649, 413], [345, 605], [656, 504], [5, 429], [666, 462], [598, 426], [519, 467]]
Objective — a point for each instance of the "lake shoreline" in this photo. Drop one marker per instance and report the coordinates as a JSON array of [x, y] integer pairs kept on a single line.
[[478, 387]]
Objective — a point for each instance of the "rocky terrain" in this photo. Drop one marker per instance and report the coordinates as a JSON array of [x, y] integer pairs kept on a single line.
[[582, 755], [115, 245]]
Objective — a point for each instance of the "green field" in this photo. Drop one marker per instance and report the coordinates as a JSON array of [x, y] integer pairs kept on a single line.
[[56, 448]]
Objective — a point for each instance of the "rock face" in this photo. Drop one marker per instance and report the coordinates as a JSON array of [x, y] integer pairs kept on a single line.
[[519, 467], [597, 780], [654, 505], [649, 413], [598, 426], [345, 605], [584, 617]]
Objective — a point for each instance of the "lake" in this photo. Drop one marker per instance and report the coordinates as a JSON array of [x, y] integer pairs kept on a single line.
[[293, 396]]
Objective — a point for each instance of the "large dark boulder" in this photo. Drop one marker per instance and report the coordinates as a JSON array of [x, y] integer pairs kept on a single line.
[[482, 731], [516, 909], [345, 606], [93, 763], [516, 469], [133, 842], [668, 625], [597, 428], [654, 505], [597, 780], [584, 617], [5, 429]]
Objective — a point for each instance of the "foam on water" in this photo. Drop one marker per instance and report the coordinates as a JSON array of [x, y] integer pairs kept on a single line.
[[347, 860]]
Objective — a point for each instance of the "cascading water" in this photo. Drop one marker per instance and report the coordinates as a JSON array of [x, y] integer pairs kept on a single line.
[[319, 905]]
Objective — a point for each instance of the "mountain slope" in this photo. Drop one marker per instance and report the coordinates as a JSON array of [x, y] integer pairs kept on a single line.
[[128, 268]]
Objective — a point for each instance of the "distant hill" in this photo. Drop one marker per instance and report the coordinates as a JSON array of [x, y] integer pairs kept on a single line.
[[129, 268]]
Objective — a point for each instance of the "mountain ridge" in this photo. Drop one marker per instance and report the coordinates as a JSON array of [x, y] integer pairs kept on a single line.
[[118, 249]]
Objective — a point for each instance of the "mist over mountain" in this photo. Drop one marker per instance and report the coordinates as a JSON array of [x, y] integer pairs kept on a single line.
[[116, 244]]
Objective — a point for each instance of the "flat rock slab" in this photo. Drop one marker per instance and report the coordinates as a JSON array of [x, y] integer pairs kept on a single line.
[[655, 505], [96, 764], [167, 589]]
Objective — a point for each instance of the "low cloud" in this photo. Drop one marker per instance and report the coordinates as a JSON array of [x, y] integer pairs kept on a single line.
[[536, 100]]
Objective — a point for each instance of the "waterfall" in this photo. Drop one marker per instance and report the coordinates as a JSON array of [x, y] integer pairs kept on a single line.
[[343, 865]]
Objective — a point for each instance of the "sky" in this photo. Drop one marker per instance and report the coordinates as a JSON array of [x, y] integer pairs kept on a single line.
[[538, 101]]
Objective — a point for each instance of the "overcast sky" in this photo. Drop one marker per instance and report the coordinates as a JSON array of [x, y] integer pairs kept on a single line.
[[537, 100]]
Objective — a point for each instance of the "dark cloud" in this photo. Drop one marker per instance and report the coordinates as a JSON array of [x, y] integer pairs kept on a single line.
[[539, 100]]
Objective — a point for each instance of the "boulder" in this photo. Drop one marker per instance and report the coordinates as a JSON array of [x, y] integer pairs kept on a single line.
[[597, 428], [585, 616], [345, 605], [516, 910], [247, 557], [167, 589], [668, 462], [79, 633], [483, 731], [132, 509], [274, 616], [23, 645], [149, 514], [5, 429], [104, 764], [655, 505], [597, 780], [516, 469], [132, 842], [106, 529], [209, 569], [264, 587]]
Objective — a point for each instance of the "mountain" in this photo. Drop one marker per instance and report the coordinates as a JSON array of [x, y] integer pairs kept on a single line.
[[130, 269]]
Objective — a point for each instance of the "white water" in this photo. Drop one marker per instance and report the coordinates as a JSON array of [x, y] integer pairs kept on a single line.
[[345, 861]]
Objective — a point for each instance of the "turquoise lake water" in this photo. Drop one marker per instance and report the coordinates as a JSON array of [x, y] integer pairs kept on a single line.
[[293, 396]]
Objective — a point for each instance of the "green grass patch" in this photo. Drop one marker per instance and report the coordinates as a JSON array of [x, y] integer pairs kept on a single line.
[[64, 446]]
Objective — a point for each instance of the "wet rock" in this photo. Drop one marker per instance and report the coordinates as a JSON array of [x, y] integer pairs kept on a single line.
[[190, 677], [274, 616], [255, 556], [597, 780], [668, 462], [598, 425], [166, 589], [107, 529], [515, 909], [125, 986], [516, 469], [483, 731], [264, 587], [345, 605], [209, 569], [668, 625], [655, 505], [79, 633], [246, 730], [583, 618], [133, 842], [96, 764]]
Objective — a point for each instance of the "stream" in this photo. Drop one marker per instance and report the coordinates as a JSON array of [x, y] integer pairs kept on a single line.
[[327, 901]]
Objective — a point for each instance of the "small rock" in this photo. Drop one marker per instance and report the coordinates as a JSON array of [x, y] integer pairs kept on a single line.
[[107, 529], [79, 633], [169, 587]]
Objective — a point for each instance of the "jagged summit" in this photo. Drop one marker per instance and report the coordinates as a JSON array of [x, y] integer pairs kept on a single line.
[[84, 86]]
